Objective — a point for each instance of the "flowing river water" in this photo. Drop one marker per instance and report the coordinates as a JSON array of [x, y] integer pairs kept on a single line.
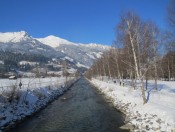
[[81, 109]]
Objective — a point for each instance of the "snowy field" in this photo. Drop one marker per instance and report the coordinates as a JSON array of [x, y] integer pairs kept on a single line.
[[35, 93], [157, 115], [31, 83]]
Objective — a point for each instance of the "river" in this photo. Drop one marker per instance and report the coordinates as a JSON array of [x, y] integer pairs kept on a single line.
[[81, 109]]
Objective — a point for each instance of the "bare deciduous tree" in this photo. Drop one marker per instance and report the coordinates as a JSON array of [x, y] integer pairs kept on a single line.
[[171, 13]]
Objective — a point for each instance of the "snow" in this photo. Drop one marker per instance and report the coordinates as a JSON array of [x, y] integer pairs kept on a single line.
[[81, 65], [28, 62], [14, 37], [95, 55], [95, 45], [54, 41], [41, 49], [50, 40], [54, 59], [98, 55], [72, 71], [156, 115], [55, 73], [68, 58], [34, 82], [51, 46], [26, 74], [1, 62], [91, 56], [12, 77], [34, 94]]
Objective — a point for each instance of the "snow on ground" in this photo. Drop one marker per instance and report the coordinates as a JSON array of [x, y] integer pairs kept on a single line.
[[26, 74], [157, 115], [90, 55], [57, 73], [28, 62], [98, 55], [68, 58], [94, 55], [6, 84], [72, 70], [17, 103], [2, 62], [81, 65]]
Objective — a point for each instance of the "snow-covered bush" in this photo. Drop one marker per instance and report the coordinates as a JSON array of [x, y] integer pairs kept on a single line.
[[12, 94]]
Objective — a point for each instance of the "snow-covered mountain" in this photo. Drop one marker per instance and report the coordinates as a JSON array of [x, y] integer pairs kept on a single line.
[[14, 37], [51, 46], [83, 53], [22, 42], [54, 41]]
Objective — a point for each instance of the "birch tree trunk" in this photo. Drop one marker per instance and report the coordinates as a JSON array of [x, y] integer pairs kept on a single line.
[[155, 63], [104, 68], [108, 66], [138, 73], [169, 72], [116, 60]]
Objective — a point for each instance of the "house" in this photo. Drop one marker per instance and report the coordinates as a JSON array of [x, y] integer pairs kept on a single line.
[[12, 77]]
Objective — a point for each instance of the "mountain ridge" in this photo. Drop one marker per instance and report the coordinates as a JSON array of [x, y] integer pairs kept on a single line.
[[14, 36], [51, 46]]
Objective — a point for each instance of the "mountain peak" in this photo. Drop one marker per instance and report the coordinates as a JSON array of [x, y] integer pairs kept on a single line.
[[51, 36], [23, 33], [14, 37], [54, 41]]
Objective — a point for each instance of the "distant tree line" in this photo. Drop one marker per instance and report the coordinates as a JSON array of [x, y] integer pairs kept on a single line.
[[11, 60], [17, 57]]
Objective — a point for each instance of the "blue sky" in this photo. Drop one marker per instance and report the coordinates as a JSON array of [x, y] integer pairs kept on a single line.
[[83, 21]]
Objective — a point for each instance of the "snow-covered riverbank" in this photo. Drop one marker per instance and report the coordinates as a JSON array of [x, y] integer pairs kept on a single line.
[[17, 103], [157, 115]]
